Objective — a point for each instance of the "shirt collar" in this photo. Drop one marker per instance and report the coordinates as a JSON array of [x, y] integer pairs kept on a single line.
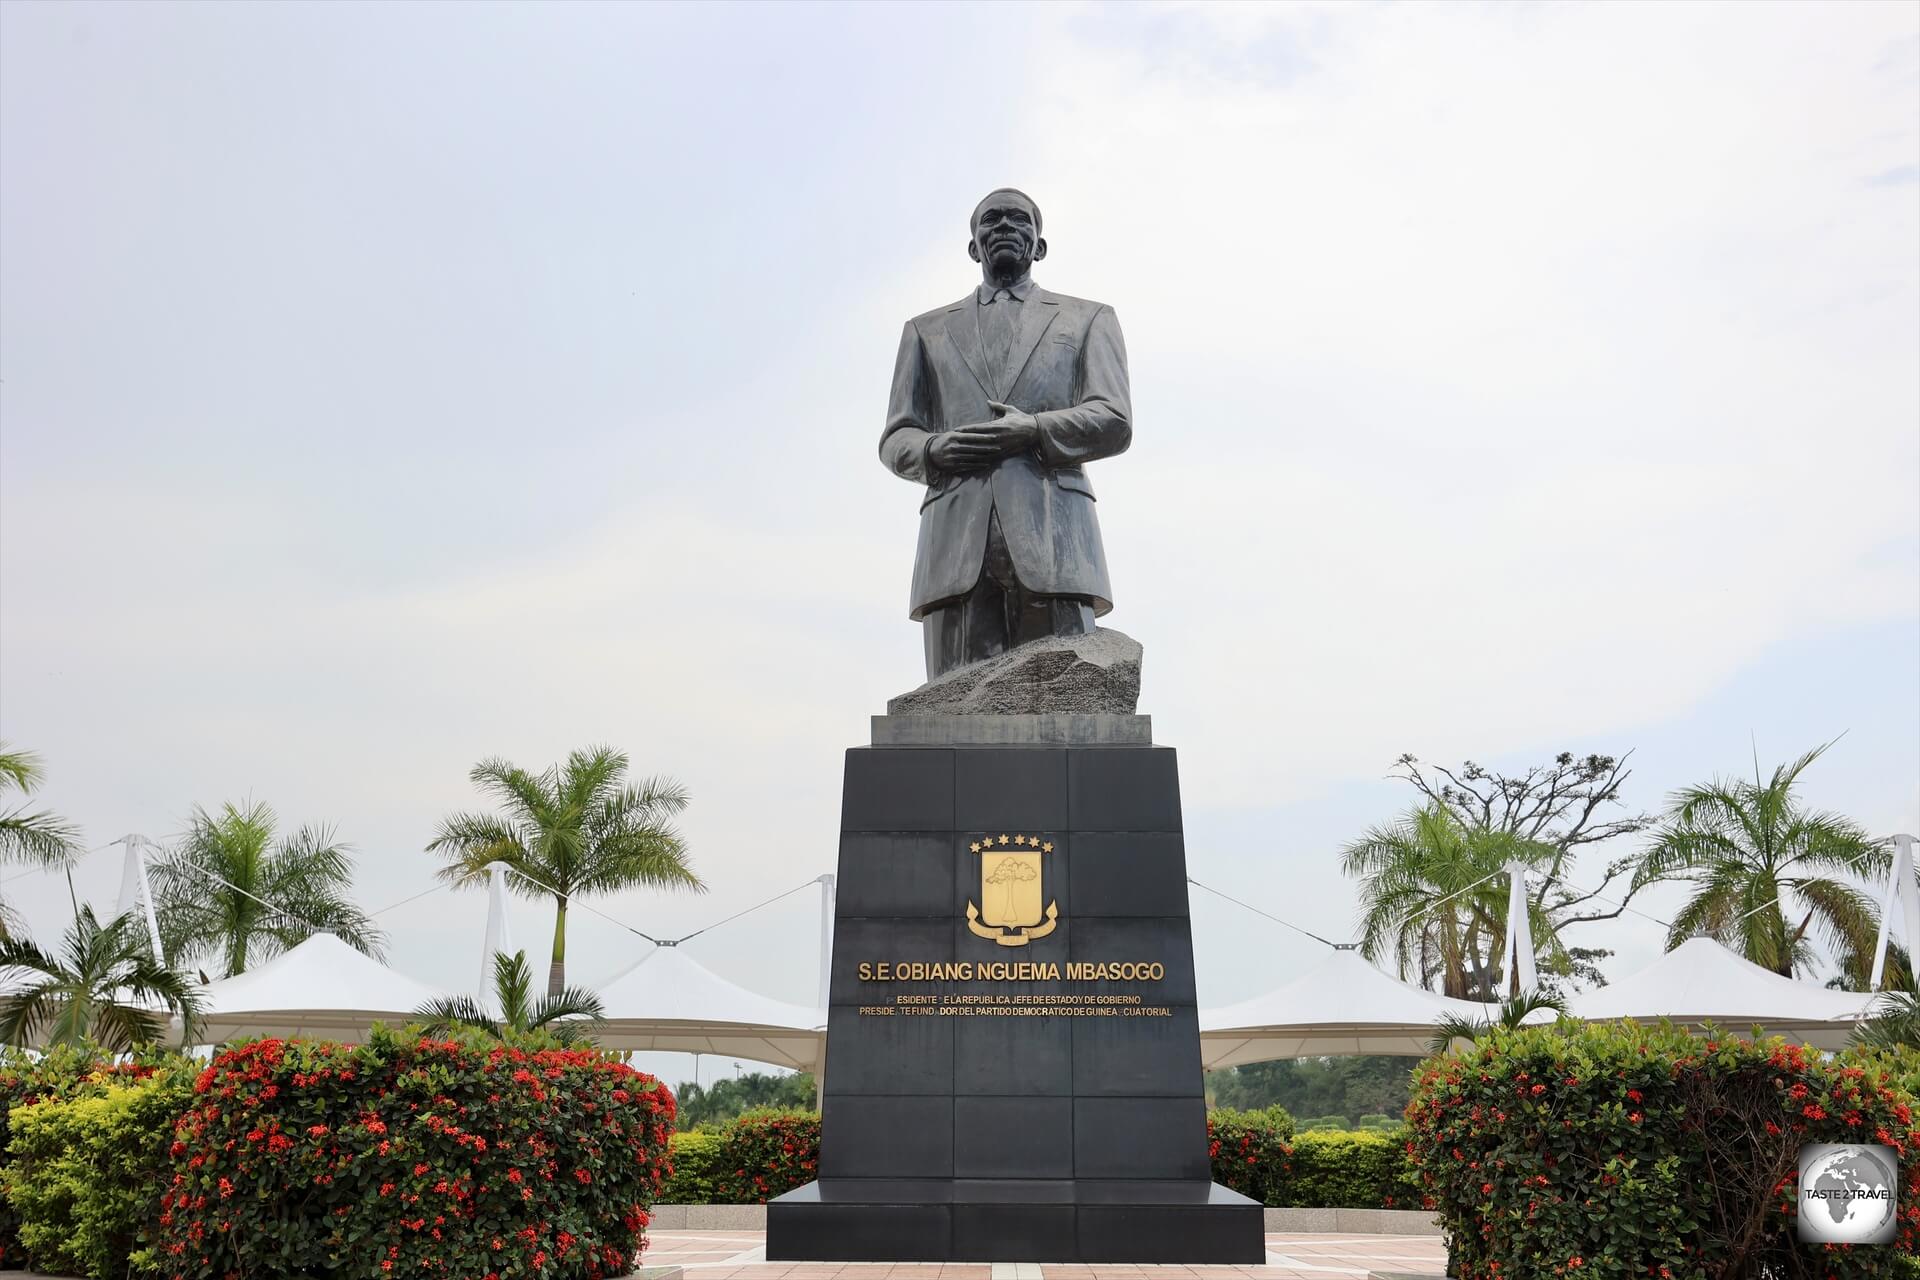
[[1021, 291]]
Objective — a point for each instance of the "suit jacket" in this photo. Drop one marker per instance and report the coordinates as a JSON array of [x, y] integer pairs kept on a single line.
[[1068, 368]]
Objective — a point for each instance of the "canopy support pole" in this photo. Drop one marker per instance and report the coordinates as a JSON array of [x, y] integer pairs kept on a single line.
[[826, 984], [826, 884], [1899, 885], [499, 937], [1518, 957], [135, 887]]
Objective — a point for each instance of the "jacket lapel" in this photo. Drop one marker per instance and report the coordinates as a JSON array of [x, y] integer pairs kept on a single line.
[[1037, 315], [964, 333]]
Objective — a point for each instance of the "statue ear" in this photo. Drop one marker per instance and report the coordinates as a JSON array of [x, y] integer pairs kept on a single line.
[[973, 250], [1039, 249]]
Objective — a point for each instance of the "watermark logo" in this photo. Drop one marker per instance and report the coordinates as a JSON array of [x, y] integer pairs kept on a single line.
[[1848, 1194]]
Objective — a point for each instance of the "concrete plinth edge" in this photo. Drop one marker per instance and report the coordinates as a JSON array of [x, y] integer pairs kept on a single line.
[[1048, 729], [1353, 1222], [709, 1217]]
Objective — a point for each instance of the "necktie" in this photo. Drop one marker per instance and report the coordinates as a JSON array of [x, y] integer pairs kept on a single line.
[[996, 326]]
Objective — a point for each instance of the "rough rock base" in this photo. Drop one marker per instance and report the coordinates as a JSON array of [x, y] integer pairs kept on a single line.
[[1097, 673]]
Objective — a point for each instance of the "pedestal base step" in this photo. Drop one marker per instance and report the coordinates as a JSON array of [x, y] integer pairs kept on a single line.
[[1014, 1220]]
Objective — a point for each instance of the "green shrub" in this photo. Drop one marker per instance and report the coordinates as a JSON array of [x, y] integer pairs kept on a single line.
[[61, 1072], [1323, 1124], [695, 1157], [413, 1156], [1358, 1169], [1378, 1120], [1249, 1151], [1623, 1151], [86, 1172], [765, 1153]]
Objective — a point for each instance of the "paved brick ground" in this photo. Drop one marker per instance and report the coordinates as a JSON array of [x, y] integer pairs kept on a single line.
[[741, 1255]]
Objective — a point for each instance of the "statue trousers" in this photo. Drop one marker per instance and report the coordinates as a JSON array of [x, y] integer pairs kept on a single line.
[[998, 614]]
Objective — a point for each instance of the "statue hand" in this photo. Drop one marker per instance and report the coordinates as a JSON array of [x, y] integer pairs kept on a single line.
[[1017, 431], [965, 448]]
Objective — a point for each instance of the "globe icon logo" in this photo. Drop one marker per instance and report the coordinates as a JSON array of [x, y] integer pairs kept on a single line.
[[1848, 1194]]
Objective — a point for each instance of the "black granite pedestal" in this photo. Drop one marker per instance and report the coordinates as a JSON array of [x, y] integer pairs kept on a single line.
[[972, 1112]]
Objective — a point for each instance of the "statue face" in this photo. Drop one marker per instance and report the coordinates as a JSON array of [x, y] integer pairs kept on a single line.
[[1006, 236]]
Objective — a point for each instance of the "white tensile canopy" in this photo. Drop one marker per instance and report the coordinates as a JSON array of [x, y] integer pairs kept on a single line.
[[321, 988], [1701, 981], [1341, 1006], [669, 1002]]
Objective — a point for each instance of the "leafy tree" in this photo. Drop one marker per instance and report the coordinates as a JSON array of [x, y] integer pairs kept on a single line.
[[1346, 1086], [569, 831], [1566, 806], [1433, 898], [1766, 871], [36, 839], [568, 1018], [729, 1097], [1454, 1031], [229, 890], [104, 985]]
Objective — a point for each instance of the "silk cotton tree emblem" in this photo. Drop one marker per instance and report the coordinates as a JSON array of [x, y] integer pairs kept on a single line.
[[1013, 872]]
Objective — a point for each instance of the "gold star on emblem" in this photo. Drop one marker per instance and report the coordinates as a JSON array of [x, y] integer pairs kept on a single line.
[[1019, 839], [974, 847], [1047, 847], [1003, 838]]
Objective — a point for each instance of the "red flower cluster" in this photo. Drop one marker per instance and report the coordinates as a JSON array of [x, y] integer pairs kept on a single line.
[[459, 1158]]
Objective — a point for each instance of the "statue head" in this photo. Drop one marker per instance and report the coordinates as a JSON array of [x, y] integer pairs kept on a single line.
[[1006, 234]]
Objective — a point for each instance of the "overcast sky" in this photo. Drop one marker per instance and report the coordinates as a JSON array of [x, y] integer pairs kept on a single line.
[[388, 387]]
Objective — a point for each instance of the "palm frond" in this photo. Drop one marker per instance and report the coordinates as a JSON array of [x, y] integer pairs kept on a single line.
[[20, 770]]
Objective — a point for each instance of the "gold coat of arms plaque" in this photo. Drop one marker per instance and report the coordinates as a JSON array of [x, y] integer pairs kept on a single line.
[[1013, 874]]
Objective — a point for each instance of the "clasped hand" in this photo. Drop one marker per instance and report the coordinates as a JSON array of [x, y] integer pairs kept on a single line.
[[981, 444]]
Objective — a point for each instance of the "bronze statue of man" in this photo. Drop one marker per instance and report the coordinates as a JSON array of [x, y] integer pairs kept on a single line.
[[999, 400]]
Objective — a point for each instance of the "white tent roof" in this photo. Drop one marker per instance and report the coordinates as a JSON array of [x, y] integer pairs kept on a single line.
[[1341, 1006], [669, 1002], [1701, 981], [321, 988]]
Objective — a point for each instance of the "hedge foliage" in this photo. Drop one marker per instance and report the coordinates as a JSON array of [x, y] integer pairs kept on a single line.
[[1358, 1169], [1621, 1151], [1249, 1151], [60, 1073], [766, 1153], [695, 1157], [411, 1156], [84, 1171]]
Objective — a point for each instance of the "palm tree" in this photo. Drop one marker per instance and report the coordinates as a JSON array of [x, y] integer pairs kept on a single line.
[[231, 891], [39, 839], [104, 985], [569, 1017], [1757, 860], [1433, 897], [1513, 1013], [1892, 1022], [569, 831]]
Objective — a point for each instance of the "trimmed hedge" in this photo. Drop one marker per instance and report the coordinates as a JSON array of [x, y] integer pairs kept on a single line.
[[85, 1170], [1622, 1151], [412, 1156], [1249, 1151], [1362, 1169], [59, 1073], [695, 1157], [765, 1153]]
